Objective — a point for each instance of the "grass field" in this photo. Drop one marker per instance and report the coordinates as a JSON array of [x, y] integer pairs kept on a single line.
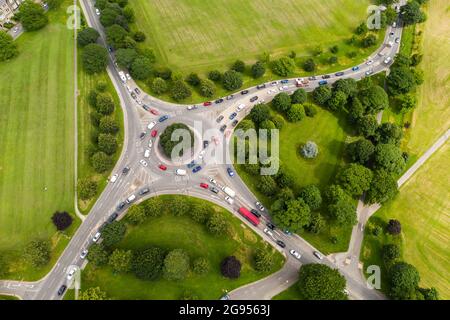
[[423, 208], [291, 293], [36, 139], [172, 232], [8, 298]]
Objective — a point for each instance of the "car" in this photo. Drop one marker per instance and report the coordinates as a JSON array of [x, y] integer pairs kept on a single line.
[[369, 72], [253, 99], [255, 213], [225, 297], [355, 68], [229, 199], [205, 144], [150, 143], [295, 254], [271, 91], [204, 185], [180, 172], [387, 60], [71, 273], [114, 178], [230, 97], [163, 118], [113, 217], [339, 74], [240, 107], [274, 83], [214, 182], [323, 82], [191, 164], [234, 123], [61, 290], [218, 101], [192, 107], [197, 169], [233, 115], [270, 226], [394, 24], [84, 254], [244, 92], [110, 49], [96, 237], [142, 135], [390, 44], [144, 191], [147, 153], [284, 81], [135, 89], [259, 205], [154, 133], [131, 199], [207, 103], [222, 128], [230, 172], [154, 111], [326, 76], [121, 205], [97, 12], [143, 162], [145, 107], [261, 86], [216, 140], [214, 189], [397, 40], [286, 231], [391, 34], [268, 232], [370, 62], [125, 170], [16, 29], [151, 125], [283, 88], [312, 78], [346, 291], [133, 95], [281, 243], [162, 167], [201, 154], [318, 255], [220, 118]]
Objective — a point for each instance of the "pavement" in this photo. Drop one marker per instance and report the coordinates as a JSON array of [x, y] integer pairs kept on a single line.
[[203, 121]]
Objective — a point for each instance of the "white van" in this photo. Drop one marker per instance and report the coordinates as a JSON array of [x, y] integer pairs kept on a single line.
[[131, 199], [229, 191], [180, 172]]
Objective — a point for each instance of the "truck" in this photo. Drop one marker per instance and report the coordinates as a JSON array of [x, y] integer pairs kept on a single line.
[[229, 191], [249, 216]]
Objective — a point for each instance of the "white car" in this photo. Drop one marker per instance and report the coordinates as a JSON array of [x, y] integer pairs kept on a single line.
[[147, 153], [131, 199], [70, 274], [295, 254], [271, 91], [229, 199], [128, 76], [318, 255], [122, 77], [143, 162], [180, 172], [114, 178], [240, 107], [151, 125], [150, 144], [16, 29], [96, 237], [84, 254], [369, 72], [268, 232], [369, 62], [387, 60], [201, 154], [213, 181], [97, 12], [129, 89], [193, 107], [139, 102], [397, 40], [283, 88]]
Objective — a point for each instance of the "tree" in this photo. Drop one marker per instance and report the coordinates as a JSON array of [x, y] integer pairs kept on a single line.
[[309, 65], [309, 150], [394, 227], [337, 101], [120, 261], [299, 96], [374, 99], [201, 213], [148, 264], [154, 207], [247, 124], [321, 95], [310, 109], [207, 88], [104, 103], [343, 211], [168, 144], [360, 151], [101, 162], [238, 66], [32, 16], [429, 293], [411, 13], [389, 133], [332, 59], [141, 68], [355, 179], [93, 293], [348, 86], [267, 125], [163, 72], [361, 28], [116, 36], [136, 214], [368, 41], [317, 223], [390, 252], [296, 113], [389, 157], [320, 282], [312, 197], [258, 70], [263, 260], [125, 57], [8, 49], [179, 206], [278, 121], [201, 265], [283, 179], [193, 79], [403, 280], [159, 86], [383, 188], [401, 80], [108, 17], [216, 224], [230, 267], [296, 216], [355, 109], [94, 58], [139, 36], [113, 233], [87, 188], [180, 91], [232, 80], [282, 102], [107, 143], [215, 75], [367, 126], [97, 255], [108, 125], [62, 220], [283, 66], [53, 4], [37, 253], [176, 265], [407, 102], [267, 185]]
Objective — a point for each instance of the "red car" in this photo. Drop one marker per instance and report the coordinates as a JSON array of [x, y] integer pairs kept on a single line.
[[204, 185], [207, 103], [154, 111], [154, 133], [162, 167]]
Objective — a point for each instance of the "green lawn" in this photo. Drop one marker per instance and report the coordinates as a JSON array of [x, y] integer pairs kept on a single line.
[[423, 208], [36, 140], [8, 298], [291, 293], [173, 232]]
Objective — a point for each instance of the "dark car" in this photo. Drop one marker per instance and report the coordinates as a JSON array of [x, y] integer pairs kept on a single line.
[[133, 95], [253, 99], [121, 205], [144, 191], [323, 82], [207, 103], [281, 243], [230, 172], [233, 115], [326, 76], [222, 128], [234, 123], [197, 169], [219, 119], [338, 74], [205, 144], [137, 91], [113, 217], [142, 135], [191, 164], [61, 290], [219, 101], [146, 108], [214, 189], [270, 226], [125, 170], [261, 86], [163, 118], [284, 81], [312, 78], [255, 213], [244, 91]]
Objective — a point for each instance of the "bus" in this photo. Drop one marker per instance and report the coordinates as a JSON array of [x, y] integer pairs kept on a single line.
[[249, 216]]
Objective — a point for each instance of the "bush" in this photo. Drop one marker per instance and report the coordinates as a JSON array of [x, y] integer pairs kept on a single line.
[[231, 267], [267, 185], [216, 224], [299, 96], [37, 253], [107, 143], [136, 214], [159, 86], [163, 72], [104, 103], [390, 252], [309, 65], [166, 139], [101, 162], [232, 80], [141, 68], [263, 260], [283, 66], [148, 264], [176, 265], [180, 91], [94, 58], [87, 188], [238, 66], [139, 36], [282, 102], [369, 41], [207, 88], [8, 48], [201, 265], [32, 16], [310, 110], [258, 70], [193, 79], [62, 220], [215, 75], [87, 36], [309, 150], [278, 121], [108, 125], [296, 113], [97, 255], [394, 227], [120, 261]]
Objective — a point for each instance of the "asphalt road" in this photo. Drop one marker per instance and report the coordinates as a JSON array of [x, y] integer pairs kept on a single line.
[[136, 120]]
